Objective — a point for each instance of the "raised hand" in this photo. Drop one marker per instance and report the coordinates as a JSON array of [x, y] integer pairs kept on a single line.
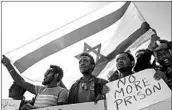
[[5, 61], [161, 46], [153, 43]]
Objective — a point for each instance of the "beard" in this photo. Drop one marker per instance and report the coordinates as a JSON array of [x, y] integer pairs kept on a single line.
[[45, 83]]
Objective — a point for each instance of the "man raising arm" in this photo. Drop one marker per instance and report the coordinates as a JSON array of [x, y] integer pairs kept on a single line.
[[51, 94]]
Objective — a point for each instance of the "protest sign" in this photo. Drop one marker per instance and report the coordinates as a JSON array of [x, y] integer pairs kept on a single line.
[[79, 106], [136, 91], [9, 104], [164, 105]]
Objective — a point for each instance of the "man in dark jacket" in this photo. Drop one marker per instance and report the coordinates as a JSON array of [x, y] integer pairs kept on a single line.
[[88, 88]]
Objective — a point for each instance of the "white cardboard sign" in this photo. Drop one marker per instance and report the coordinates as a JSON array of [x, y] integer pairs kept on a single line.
[[9, 104], [136, 91], [164, 105]]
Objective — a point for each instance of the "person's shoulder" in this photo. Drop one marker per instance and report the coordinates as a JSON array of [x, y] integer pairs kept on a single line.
[[61, 88], [76, 82], [101, 80], [39, 88], [113, 77]]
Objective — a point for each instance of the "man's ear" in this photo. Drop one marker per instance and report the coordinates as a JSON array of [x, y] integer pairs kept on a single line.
[[56, 75], [132, 63], [93, 66]]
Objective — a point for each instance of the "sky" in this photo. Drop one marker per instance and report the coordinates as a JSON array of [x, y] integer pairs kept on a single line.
[[24, 21], [158, 15]]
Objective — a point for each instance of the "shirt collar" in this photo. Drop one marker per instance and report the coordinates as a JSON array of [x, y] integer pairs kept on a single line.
[[91, 79]]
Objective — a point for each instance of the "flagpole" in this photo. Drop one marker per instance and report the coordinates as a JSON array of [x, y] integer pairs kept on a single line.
[[138, 11], [141, 14]]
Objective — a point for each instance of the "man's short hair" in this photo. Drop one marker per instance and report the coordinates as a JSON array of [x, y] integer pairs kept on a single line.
[[145, 52], [20, 89], [88, 55], [57, 70], [141, 50], [130, 56]]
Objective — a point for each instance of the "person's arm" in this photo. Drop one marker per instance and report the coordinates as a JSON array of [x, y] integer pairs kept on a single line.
[[72, 97], [16, 77], [153, 43], [104, 90], [114, 76], [167, 45]]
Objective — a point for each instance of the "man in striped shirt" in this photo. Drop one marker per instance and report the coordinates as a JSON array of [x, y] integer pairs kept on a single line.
[[51, 94]]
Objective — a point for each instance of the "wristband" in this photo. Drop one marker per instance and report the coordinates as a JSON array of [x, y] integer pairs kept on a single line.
[[11, 70]]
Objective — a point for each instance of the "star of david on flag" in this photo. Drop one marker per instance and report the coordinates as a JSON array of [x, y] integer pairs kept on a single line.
[[95, 50]]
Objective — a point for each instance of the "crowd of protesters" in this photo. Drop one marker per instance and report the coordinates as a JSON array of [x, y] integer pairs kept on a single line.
[[88, 87], [159, 49]]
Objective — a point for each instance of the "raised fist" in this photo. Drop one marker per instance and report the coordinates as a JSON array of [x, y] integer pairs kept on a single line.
[[5, 61]]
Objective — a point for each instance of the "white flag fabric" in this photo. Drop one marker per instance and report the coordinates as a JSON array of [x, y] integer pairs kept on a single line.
[[104, 33], [68, 35]]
